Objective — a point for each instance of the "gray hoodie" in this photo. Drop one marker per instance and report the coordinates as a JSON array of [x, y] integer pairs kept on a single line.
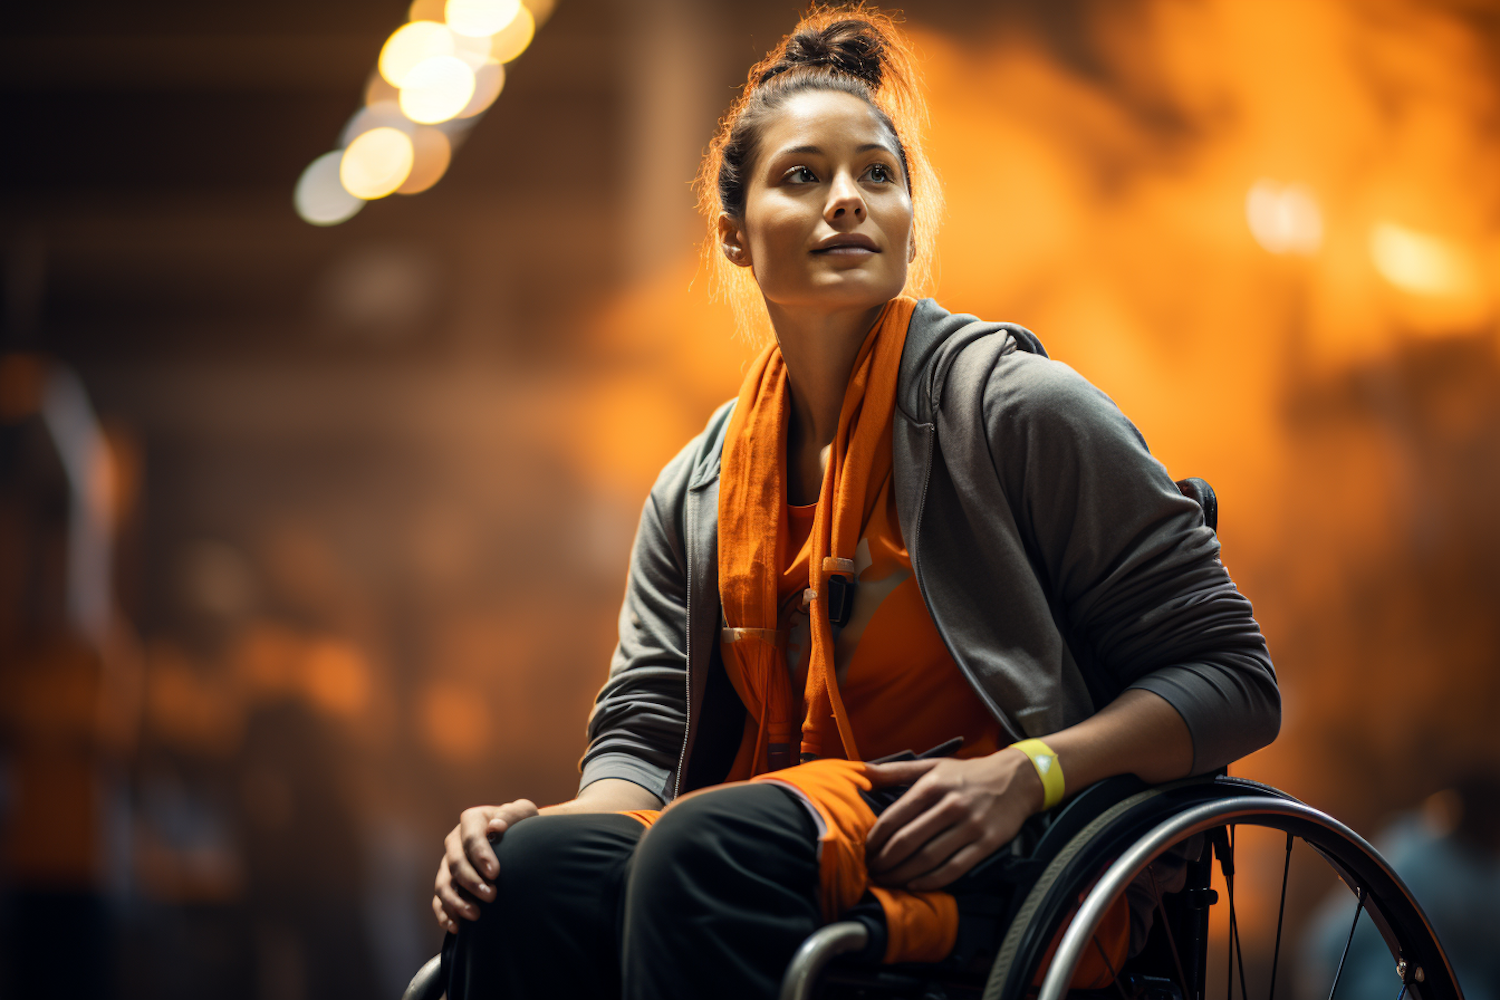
[[1058, 560]]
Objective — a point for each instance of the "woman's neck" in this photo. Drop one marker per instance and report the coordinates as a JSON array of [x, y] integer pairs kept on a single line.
[[819, 351]]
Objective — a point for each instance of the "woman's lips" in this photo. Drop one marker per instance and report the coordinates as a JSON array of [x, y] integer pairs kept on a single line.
[[847, 244]]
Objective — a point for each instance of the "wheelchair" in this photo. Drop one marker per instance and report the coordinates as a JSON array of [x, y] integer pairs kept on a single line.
[[1070, 865]]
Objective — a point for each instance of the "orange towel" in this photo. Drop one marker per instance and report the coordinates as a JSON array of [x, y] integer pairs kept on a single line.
[[645, 817], [922, 926], [753, 533]]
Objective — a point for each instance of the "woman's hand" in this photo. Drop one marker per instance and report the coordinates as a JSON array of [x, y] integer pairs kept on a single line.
[[469, 865], [958, 811], [469, 862], [954, 815]]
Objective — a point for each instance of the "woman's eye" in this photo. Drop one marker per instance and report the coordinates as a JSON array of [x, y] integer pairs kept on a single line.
[[801, 175], [879, 172]]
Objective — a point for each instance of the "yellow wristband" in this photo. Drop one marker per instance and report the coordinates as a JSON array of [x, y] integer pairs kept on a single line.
[[1047, 768]]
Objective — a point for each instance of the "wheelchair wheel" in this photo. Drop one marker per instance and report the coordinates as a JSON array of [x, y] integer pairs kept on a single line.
[[1101, 860]]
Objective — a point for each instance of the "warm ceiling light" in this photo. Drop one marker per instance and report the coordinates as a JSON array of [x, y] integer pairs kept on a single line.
[[540, 9], [1284, 219], [480, 18], [320, 198], [381, 114], [512, 40], [489, 80], [437, 90], [1421, 263], [376, 163], [411, 45], [433, 152], [379, 90]]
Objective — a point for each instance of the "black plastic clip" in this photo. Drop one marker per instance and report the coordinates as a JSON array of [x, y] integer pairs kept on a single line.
[[840, 600]]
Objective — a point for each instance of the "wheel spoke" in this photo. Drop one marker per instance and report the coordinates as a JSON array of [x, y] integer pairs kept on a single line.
[[1359, 907], [1161, 907], [1222, 847], [1111, 967], [1234, 928], [1286, 870]]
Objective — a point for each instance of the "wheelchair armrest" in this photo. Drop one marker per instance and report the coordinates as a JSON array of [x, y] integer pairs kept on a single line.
[[427, 984]]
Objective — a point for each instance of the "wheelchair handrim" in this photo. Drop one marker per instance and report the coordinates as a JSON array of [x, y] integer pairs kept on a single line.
[[1390, 901]]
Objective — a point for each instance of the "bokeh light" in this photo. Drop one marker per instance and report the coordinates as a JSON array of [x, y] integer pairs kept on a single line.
[[320, 197], [336, 677], [540, 10], [432, 153], [474, 51], [1284, 219], [512, 40], [446, 65], [480, 18], [378, 89], [454, 724], [489, 80], [376, 163], [411, 45], [381, 114], [437, 90], [1421, 263], [426, 10]]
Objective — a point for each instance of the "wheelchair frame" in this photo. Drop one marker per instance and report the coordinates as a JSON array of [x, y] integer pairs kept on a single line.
[[1126, 832]]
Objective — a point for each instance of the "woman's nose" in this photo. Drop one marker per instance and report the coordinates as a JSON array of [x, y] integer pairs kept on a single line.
[[844, 200]]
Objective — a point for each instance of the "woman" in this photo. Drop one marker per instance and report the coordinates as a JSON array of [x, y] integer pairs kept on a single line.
[[909, 527]]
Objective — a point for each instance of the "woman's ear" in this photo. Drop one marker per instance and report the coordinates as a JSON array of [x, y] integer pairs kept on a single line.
[[732, 241], [911, 248]]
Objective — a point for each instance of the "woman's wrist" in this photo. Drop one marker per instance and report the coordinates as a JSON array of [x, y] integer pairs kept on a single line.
[[1023, 778]]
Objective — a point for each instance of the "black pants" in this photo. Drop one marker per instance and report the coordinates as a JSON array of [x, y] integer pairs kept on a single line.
[[712, 904]]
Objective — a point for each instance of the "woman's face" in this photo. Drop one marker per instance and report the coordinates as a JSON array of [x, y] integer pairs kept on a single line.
[[827, 221]]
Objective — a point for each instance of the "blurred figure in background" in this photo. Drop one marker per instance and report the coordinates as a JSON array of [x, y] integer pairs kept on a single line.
[[53, 747], [1448, 852]]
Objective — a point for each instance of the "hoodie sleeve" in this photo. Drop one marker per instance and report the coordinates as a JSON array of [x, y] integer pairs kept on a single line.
[[1127, 559], [637, 725]]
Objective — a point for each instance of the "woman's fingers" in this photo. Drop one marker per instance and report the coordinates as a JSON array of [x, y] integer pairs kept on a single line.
[[450, 898], [455, 905], [469, 862], [927, 842], [938, 811], [899, 772], [461, 871], [444, 921], [917, 799], [955, 867], [513, 812], [474, 829]]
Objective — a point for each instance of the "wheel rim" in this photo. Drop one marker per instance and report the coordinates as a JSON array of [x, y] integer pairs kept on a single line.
[[1382, 893]]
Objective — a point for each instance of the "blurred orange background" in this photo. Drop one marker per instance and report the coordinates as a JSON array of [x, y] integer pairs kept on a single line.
[[312, 536]]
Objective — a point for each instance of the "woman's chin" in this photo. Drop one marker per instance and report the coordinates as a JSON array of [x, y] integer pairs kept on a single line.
[[849, 289]]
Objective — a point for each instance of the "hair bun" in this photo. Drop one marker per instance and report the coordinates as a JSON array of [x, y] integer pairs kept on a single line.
[[852, 46]]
